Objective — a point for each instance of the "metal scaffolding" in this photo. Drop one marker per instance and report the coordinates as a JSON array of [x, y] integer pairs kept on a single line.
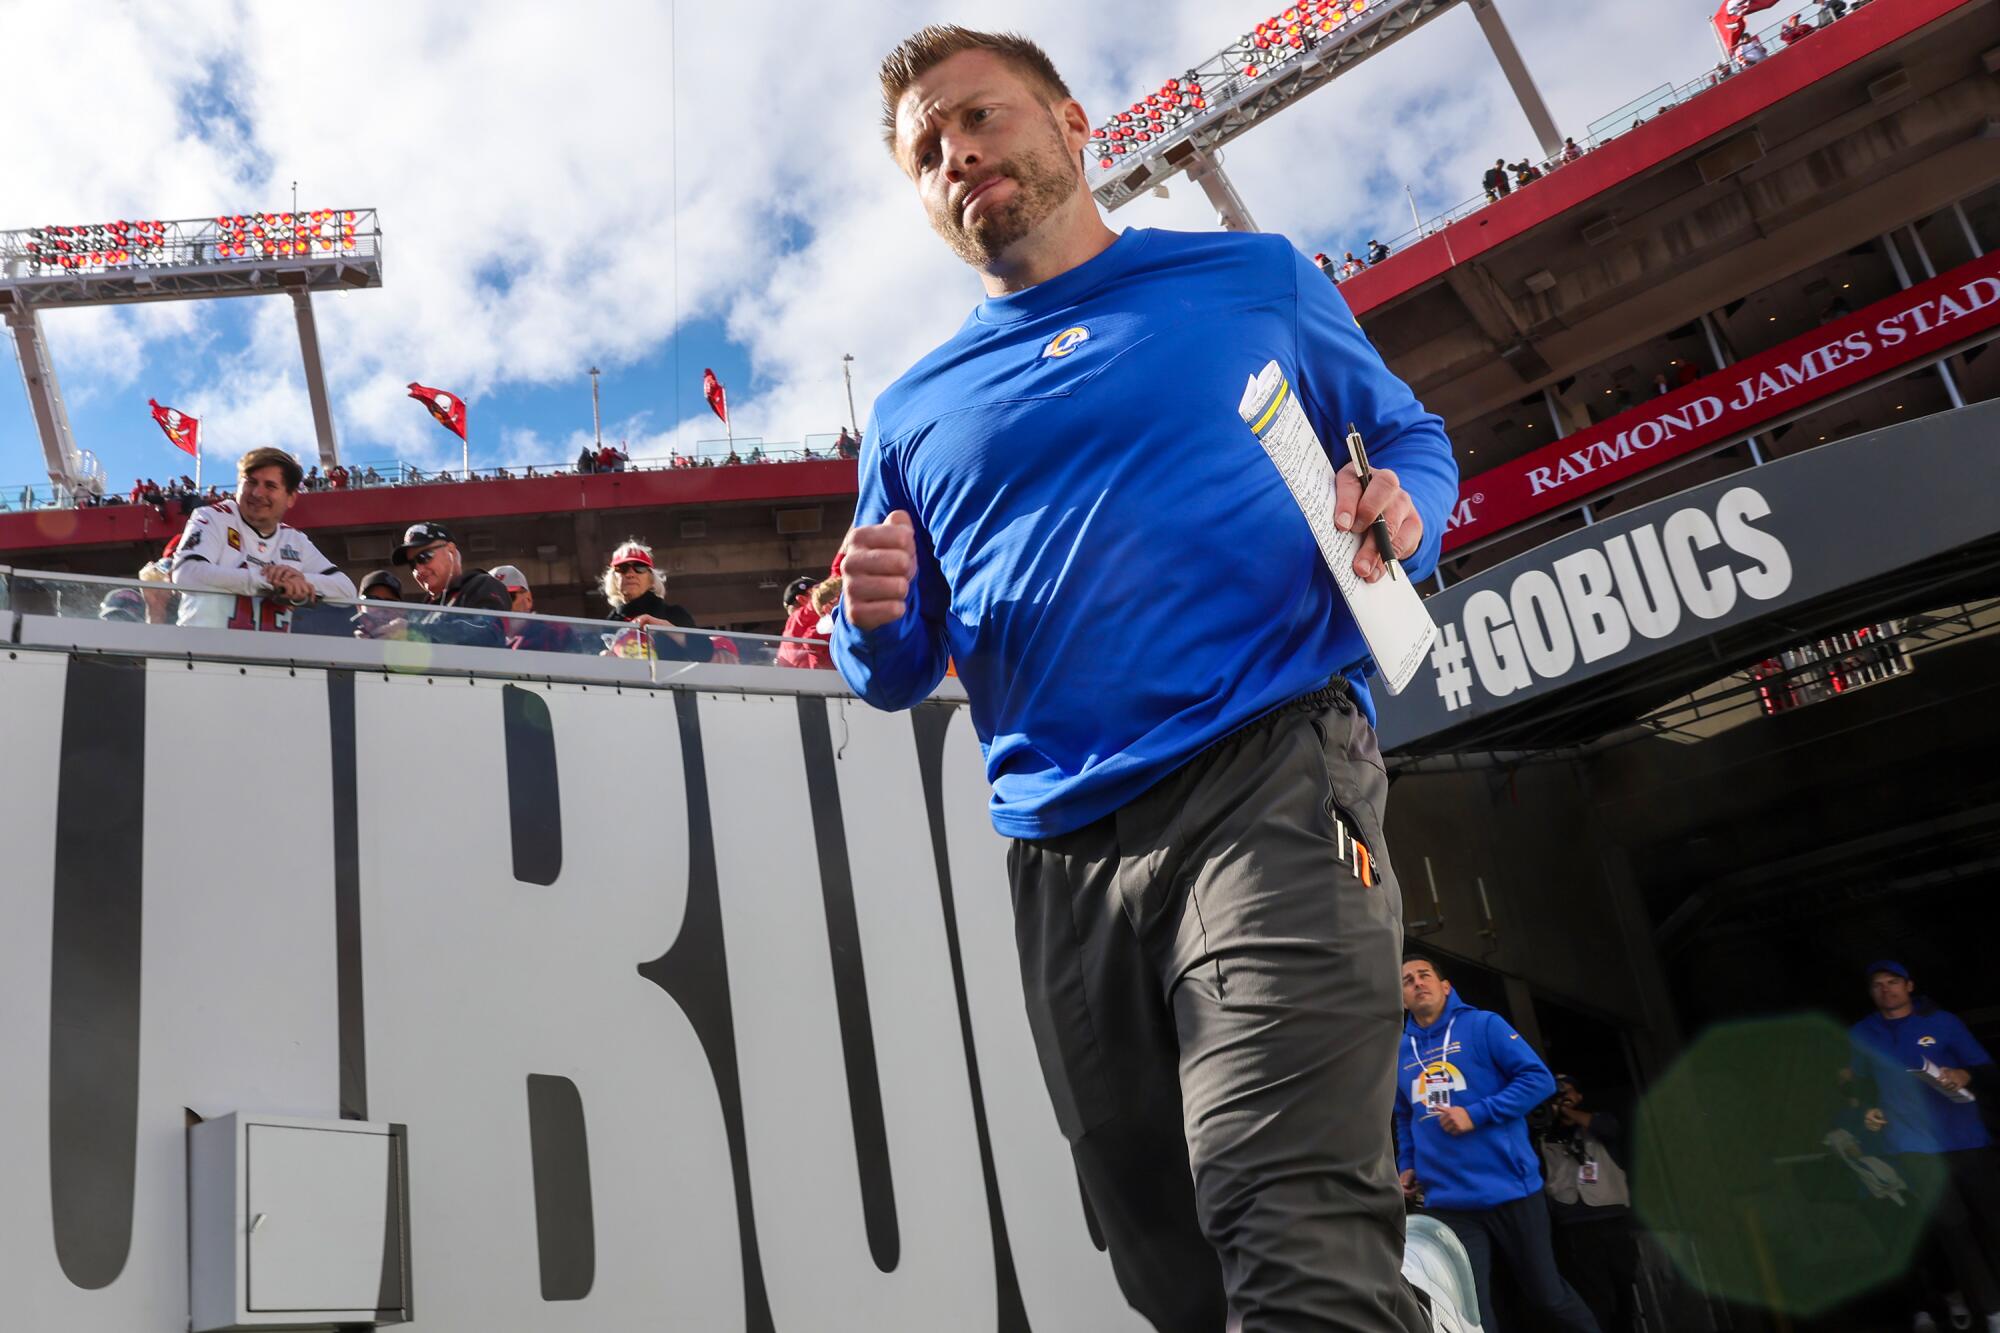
[[119, 263], [1256, 77]]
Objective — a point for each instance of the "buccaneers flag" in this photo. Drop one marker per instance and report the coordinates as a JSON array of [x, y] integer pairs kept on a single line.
[[184, 431], [448, 408], [1729, 22], [718, 397]]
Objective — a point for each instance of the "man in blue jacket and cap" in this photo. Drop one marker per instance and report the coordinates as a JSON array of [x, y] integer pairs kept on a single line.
[[1928, 1071], [1466, 1084]]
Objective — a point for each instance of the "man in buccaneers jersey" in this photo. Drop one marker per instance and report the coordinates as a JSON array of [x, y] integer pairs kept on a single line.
[[242, 546]]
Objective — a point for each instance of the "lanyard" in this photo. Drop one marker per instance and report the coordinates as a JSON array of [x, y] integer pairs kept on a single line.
[[1443, 1051]]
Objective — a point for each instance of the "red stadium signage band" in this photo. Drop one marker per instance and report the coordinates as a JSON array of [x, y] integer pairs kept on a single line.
[[1912, 324]]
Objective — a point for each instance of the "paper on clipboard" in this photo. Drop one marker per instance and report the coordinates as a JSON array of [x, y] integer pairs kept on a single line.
[[1393, 620], [1932, 1075]]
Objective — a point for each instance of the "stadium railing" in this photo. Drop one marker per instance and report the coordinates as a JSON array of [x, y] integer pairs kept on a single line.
[[147, 617], [751, 451]]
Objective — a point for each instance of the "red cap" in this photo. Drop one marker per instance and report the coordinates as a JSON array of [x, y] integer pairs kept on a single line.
[[631, 553]]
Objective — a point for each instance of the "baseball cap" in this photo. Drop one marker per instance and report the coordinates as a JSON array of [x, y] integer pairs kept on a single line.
[[631, 553], [382, 578], [512, 579], [419, 534], [122, 604], [1889, 965]]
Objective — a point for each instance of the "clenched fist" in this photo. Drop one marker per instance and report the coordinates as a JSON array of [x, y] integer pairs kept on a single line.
[[880, 565]]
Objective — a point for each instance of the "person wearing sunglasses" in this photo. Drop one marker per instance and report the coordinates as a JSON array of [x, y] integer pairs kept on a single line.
[[636, 590], [434, 559]]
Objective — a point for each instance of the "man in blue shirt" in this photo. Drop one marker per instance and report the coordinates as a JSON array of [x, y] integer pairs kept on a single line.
[[1063, 499], [1924, 1064], [1466, 1082]]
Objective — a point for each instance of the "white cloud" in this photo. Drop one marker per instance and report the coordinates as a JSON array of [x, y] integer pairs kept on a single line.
[[545, 207]]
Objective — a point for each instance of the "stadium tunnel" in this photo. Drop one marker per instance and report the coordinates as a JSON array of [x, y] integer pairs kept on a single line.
[[1729, 818]]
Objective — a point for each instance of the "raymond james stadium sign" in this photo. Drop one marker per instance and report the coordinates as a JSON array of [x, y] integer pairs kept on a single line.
[[1613, 594], [1905, 327]]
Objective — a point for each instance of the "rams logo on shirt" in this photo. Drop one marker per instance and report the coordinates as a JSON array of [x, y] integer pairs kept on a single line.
[[1926, 1041], [1434, 1084], [1067, 341]]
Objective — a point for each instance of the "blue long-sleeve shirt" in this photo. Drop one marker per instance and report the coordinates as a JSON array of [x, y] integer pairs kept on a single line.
[[1103, 546], [1481, 1064], [1920, 1118]]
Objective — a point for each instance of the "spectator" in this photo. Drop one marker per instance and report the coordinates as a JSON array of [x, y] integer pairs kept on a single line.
[[1750, 51], [1349, 266], [635, 588], [811, 612], [1526, 173], [1795, 29], [537, 636], [1924, 1065], [1570, 153], [1462, 1100], [1660, 385], [440, 571], [242, 546], [1495, 181], [371, 476], [336, 478], [1592, 1205], [1829, 10], [1377, 252], [1685, 373], [846, 445], [586, 462], [732, 460], [369, 622], [756, 455], [313, 480], [1325, 262]]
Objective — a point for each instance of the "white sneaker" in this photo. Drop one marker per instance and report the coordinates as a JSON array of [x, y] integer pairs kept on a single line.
[[1435, 1263]]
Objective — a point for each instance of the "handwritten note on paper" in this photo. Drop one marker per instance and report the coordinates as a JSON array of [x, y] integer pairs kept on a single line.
[[1391, 616]]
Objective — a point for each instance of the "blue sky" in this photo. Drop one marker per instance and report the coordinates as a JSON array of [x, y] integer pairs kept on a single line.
[[654, 188]]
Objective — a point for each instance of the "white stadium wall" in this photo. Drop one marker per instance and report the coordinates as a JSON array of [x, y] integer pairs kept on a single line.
[[700, 1009]]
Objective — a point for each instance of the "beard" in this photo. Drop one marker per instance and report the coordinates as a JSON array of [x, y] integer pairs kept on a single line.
[[1044, 177]]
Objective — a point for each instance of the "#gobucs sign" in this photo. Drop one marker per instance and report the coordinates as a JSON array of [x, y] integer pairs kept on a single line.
[[448, 408], [183, 430]]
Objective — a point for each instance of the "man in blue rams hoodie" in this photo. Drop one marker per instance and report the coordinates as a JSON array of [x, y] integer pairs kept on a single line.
[[1466, 1082]]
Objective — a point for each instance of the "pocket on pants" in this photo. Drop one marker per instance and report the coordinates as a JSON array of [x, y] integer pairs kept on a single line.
[[1356, 785]]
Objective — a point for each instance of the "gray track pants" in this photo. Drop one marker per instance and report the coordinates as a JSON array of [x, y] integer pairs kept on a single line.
[[1214, 997]]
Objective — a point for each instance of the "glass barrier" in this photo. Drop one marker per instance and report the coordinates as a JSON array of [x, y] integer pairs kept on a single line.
[[171, 607]]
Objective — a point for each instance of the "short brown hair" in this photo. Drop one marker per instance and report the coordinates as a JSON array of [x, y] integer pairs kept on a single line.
[[932, 45], [270, 456]]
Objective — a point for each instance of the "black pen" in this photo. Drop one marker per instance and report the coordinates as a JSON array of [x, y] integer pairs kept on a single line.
[[1358, 455]]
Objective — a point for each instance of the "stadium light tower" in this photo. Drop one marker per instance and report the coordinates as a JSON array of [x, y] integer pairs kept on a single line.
[[118, 263], [1183, 125]]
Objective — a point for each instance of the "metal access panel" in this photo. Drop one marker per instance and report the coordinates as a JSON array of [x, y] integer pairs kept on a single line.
[[297, 1224]]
